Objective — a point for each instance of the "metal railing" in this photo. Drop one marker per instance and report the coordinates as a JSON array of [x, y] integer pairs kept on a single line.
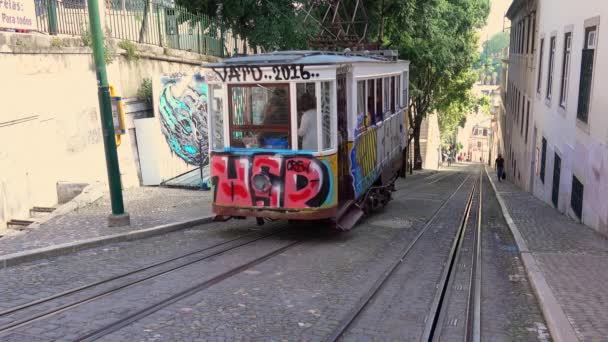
[[143, 21], [62, 16]]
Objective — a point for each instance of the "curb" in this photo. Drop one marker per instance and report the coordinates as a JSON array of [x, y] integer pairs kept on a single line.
[[14, 259], [557, 322]]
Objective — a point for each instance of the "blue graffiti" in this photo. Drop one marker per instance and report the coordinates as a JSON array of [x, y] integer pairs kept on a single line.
[[183, 118]]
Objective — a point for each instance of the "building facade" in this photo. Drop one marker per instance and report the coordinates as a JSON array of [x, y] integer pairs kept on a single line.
[[556, 127], [518, 133], [571, 110], [477, 135]]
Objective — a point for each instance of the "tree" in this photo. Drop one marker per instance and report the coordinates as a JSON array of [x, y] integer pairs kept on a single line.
[[489, 64], [269, 24], [439, 38]]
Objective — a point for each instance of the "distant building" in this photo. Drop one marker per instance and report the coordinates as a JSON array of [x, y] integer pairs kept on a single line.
[[476, 137], [430, 142], [520, 93], [556, 124]]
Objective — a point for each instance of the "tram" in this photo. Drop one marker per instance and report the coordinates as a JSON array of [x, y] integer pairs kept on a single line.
[[306, 135]]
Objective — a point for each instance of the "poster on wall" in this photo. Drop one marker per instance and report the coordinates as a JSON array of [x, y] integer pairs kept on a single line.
[[18, 14]]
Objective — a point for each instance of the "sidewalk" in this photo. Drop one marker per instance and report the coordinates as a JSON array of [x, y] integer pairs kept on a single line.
[[151, 209], [567, 264]]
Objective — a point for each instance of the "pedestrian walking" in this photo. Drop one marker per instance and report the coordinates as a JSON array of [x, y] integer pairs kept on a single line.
[[500, 167]]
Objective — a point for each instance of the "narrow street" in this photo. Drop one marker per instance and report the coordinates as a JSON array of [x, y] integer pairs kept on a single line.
[[406, 273]]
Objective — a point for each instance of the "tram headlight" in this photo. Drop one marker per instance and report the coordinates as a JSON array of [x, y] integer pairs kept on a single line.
[[261, 182]]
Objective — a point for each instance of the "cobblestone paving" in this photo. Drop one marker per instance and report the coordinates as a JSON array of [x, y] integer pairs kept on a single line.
[[510, 311], [301, 296], [94, 315], [400, 310], [573, 258], [35, 280], [147, 206], [454, 315]]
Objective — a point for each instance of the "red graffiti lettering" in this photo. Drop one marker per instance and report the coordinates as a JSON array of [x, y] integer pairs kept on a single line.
[[231, 186], [268, 180]]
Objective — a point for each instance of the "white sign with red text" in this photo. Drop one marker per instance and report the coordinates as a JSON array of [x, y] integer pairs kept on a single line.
[[18, 14]]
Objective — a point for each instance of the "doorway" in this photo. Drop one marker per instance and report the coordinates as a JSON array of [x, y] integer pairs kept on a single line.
[[557, 165]]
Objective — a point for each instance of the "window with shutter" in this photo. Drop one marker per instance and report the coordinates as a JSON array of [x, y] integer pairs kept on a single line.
[[576, 199], [543, 158], [584, 91]]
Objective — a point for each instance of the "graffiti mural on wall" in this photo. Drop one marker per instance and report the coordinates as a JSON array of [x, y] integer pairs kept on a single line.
[[272, 180], [183, 117]]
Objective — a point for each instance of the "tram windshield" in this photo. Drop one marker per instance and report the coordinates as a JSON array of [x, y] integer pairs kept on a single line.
[[260, 116]]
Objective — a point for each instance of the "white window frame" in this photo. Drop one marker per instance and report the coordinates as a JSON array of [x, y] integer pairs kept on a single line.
[[551, 67], [539, 81], [566, 66]]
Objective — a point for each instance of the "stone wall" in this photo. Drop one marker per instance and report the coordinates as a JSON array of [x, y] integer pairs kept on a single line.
[[50, 124]]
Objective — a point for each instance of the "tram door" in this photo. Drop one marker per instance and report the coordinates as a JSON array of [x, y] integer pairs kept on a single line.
[[344, 177]]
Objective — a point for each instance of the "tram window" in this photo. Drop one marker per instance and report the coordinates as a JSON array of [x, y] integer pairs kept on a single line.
[[399, 103], [379, 106], [387, 95], [326, 115], [361, 117], [371, 117], [259, 116], [217, 110], [392, 107], [306, 107]]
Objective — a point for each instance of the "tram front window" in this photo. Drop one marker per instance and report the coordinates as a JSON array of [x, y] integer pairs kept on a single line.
[[259, 116]]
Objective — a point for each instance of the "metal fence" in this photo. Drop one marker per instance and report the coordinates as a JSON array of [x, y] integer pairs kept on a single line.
[[62, 16], [143, 21]]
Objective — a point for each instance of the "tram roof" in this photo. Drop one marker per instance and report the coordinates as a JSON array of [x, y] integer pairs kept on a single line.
[[309, 58]]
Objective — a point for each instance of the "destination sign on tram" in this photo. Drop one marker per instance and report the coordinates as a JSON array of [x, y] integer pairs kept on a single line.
[[248, 73]]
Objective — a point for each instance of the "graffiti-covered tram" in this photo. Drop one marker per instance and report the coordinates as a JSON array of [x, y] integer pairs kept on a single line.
[[305, 135]]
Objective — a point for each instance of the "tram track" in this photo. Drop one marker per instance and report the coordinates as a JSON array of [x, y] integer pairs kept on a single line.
[[150, 309], [365, 300], [31, 312], [31, 315], [451, 305]]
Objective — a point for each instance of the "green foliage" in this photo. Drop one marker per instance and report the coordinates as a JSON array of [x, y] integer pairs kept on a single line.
[[496, 44], [56, 42], [145, 90], [270, 24], [439, 37], [130, 49], [108, 54], [87, 40], [484, 105], [489, 63], [85, 36]]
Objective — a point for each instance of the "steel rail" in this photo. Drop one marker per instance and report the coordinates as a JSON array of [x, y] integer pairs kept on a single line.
[[477, 269], [19, 323], [370, 294], [472, 326], [440, 296], [121, 323]]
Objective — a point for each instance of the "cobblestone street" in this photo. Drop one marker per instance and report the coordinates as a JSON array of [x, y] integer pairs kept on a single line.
[[237, 281]]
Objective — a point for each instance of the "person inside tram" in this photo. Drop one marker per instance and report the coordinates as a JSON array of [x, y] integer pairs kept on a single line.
[[308, 123], [371, 119], [275, 113]]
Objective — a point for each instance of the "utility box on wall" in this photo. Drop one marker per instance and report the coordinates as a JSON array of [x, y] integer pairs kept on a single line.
[[148, 145]]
